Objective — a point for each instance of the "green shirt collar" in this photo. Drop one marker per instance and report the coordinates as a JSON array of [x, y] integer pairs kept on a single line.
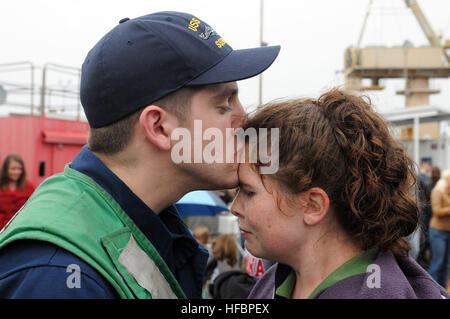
[[356, 265]]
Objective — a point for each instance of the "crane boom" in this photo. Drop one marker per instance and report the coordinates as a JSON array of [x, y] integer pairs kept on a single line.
[[423, 22]]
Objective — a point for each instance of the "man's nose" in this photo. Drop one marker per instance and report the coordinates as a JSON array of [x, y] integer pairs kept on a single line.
[[239, 118]]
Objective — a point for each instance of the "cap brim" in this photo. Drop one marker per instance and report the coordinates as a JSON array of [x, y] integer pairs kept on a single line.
[[238, 65]]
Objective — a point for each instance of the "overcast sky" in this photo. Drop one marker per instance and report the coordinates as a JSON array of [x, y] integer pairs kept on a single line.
[[313, 36]]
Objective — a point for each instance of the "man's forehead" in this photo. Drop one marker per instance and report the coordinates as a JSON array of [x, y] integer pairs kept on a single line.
[[222, 87]]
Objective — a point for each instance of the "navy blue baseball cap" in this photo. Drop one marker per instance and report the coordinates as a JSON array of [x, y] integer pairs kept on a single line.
[[142, 60]]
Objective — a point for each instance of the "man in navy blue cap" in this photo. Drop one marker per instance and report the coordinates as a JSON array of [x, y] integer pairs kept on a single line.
[[107, 227]]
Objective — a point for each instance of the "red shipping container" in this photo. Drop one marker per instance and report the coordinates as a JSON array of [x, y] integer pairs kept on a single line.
[[45, 144]]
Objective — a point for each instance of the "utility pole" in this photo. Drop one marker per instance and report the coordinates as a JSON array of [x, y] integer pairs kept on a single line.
[[262, 44]]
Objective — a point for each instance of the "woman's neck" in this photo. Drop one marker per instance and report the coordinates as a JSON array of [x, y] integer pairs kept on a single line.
[[12, 186], [320, 261]]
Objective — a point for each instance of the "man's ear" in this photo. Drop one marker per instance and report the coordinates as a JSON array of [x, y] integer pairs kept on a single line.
[[316, 205], [158, 125]]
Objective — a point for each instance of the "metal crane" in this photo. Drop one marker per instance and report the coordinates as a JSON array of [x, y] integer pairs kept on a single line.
[[415, 64], [433, 38], [383, 62], [423, 22]]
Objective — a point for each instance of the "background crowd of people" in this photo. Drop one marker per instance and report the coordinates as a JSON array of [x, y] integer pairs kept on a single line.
[[432, 245]]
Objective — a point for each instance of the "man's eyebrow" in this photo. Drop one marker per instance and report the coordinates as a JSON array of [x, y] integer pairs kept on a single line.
[[225, 92]]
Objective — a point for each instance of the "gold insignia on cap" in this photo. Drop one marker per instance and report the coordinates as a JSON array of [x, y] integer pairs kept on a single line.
[[220, 42], [194, 24]]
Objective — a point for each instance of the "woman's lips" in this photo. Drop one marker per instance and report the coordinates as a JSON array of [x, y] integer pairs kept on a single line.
[[245, 233]]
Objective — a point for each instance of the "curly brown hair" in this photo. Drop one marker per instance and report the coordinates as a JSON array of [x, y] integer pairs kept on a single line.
[[340, 144]]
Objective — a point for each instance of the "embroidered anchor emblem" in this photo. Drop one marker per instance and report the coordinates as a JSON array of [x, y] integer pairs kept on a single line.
[[207, 33]]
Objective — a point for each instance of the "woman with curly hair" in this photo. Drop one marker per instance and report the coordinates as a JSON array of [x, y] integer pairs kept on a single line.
[[335, 214]]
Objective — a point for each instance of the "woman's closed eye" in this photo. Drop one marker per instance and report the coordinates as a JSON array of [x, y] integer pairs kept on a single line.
[[246, 192]]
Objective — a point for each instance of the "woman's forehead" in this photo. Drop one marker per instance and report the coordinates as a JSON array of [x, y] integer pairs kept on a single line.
[[246, 172], [15, 163]]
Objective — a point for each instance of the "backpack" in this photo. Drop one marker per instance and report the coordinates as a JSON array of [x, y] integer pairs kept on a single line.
[[233, 284]]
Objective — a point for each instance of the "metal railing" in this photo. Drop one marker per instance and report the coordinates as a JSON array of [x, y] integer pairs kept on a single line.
[[56, 94]]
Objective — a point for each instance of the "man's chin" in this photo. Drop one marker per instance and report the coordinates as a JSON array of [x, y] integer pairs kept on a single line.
[[215, 176], [231, 184], [227, 179], [233, 176]]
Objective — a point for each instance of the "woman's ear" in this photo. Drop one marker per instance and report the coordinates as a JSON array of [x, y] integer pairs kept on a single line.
[[158, 125], [316, 205]]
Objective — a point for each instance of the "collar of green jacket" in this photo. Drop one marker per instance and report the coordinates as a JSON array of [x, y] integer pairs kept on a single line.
[[71, 211]]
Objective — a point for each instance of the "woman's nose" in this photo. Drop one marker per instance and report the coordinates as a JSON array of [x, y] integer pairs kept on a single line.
[[235, 208]]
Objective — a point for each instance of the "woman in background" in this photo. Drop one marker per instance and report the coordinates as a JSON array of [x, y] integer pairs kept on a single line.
[[435, 176], [14, 188], [440, 229], [225, 258], [201, 233]]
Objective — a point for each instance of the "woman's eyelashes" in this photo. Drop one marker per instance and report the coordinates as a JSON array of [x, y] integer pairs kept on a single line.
[[247, 192]]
